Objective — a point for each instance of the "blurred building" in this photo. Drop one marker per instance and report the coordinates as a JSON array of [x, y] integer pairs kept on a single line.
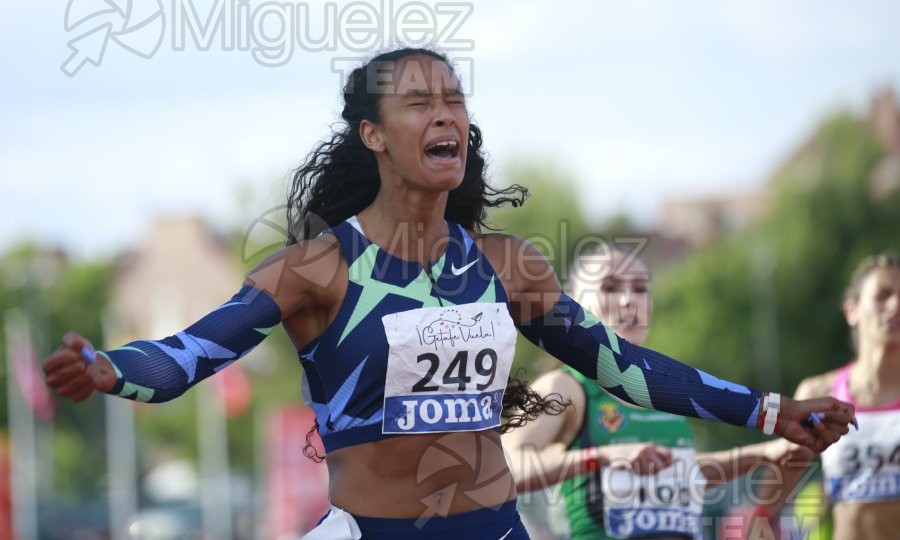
[[179, 273], [884, 116], [702, 220]]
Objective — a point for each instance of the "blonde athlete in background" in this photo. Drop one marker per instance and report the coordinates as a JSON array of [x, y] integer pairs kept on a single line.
[[599, 431]]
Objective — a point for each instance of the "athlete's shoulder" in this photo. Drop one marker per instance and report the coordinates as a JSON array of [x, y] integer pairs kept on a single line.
[[515, 258], [816, 385], [306, 257], [496, 237], [496, 243], [302, 274], [557, 381]]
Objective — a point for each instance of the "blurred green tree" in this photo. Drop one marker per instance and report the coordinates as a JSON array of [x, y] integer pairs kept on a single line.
[[763, 306], [56, 296], [552, 220]]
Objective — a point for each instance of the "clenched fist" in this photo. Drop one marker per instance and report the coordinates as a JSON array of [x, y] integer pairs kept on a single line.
[[71, 375], [834, 420]]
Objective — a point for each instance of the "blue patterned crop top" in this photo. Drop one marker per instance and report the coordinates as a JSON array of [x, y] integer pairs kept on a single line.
[[410, 352]]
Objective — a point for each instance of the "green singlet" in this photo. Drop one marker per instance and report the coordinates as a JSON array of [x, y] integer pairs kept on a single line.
[[611, 421]]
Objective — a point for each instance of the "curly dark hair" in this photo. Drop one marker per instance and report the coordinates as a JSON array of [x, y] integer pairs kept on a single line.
[[521, 404], [340, 178]]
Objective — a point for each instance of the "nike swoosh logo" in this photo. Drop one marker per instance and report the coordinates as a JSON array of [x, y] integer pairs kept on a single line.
[[460, 271], [507, 534]]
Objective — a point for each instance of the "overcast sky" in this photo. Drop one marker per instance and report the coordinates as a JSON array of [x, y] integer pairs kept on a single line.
[[639, 101]]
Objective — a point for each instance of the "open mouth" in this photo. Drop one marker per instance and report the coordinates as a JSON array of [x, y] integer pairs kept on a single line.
[[443, 150]]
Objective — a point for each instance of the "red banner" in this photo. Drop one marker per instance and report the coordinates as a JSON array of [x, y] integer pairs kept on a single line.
[[297, 487], [234, 390], [5, 488], [28, 376]]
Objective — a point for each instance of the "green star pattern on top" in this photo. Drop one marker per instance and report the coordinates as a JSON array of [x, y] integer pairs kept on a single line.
[[374, 291], [608, 375]]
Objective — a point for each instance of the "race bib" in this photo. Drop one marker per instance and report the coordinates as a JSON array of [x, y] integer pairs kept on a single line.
[[669, 502], [864, 465], [447, 368]]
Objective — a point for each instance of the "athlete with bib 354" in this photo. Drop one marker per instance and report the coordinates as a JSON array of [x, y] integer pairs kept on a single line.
[[404, 317], [862, 471]]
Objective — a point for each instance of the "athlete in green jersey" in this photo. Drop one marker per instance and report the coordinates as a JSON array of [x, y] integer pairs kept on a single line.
[[607, 421], [626, 472]]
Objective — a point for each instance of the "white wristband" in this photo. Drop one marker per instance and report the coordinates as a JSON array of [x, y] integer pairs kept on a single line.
[[771, 406]]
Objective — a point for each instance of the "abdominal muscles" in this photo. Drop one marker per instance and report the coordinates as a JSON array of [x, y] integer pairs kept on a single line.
[[415, 476]]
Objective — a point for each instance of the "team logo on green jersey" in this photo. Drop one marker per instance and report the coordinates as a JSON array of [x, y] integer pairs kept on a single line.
[[611, 418]]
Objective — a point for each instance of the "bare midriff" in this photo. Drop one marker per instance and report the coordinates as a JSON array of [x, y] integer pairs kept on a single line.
[[869, 520], [414, 476]]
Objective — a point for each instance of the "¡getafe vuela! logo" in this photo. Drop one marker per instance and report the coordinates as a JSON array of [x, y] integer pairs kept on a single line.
[[451, 326]]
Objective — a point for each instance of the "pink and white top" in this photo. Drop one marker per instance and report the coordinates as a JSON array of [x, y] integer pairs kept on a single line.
[[864, 466]]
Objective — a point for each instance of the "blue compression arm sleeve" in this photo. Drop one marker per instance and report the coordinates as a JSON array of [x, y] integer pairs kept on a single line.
[[157, 371], [635, 374]]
